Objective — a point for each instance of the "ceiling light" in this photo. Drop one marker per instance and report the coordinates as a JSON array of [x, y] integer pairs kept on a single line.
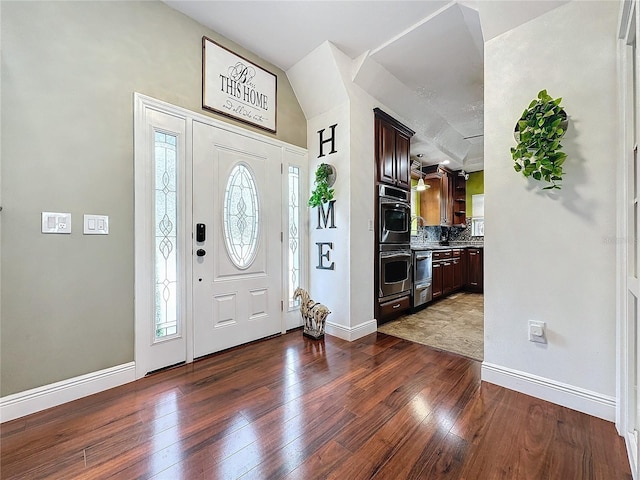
[[421, 186], [444, 162]]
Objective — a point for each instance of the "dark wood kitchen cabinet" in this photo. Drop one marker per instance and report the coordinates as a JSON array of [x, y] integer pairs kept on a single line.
[[442, 273], [436, 280], [392, 150], [390, 310], [464, 260], [475, 270], [458, 259], [392, 164], [447, 276], [456, 269], [448, 182], [459, 201]]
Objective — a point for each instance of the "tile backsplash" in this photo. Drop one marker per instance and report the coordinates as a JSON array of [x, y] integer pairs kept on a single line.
[[454, 234]]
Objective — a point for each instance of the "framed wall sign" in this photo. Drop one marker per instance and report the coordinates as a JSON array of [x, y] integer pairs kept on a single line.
[[238, 88]]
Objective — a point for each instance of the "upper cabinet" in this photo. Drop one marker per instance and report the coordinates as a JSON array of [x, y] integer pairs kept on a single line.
[[460, 201], [392, 150], [444, 202]]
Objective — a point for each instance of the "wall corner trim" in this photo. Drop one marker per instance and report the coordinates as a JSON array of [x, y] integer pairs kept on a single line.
[[570, 396], [30, 401], [351, 333]]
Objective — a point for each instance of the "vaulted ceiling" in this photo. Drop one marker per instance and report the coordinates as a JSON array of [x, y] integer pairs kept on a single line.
[[430, 51]]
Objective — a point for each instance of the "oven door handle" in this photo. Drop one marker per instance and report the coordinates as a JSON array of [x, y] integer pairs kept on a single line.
[[395, 255], [396, 203]]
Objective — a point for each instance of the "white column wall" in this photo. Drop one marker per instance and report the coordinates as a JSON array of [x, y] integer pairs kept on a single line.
[[551, 257], [326, 74], [331, 287]]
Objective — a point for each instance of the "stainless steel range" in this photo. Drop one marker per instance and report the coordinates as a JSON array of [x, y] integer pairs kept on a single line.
[[421, 292]]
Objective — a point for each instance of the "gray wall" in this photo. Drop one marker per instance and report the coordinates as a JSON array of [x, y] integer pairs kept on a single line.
[[69, 70]]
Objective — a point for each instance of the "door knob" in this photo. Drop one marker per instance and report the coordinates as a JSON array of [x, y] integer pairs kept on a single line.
[[200, 252]]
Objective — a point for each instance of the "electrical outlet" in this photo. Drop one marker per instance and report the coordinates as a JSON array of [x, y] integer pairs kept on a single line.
[[53, 222], [537, 332]]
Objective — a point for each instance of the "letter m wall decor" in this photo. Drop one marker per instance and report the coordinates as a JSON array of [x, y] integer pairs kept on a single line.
[[237, 88]]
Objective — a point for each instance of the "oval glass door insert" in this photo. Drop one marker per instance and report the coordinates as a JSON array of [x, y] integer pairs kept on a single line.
[[241, 216]]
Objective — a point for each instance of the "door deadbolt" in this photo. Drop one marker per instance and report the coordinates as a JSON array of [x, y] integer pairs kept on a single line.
[[200, 232]]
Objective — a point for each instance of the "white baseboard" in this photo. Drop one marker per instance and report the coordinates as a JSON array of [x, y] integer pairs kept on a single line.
[[351, 333], [632, 447], [37, 399], [582, 400]]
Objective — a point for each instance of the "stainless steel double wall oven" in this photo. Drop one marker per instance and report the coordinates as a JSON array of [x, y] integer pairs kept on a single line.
[[394, 213]]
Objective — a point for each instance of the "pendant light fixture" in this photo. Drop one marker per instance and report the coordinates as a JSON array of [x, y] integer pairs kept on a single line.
[[421, 186]]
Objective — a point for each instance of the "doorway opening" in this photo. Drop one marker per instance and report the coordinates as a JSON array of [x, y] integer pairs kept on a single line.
[[448, 313]]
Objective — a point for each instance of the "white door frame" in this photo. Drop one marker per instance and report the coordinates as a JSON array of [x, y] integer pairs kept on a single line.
[[143, 308], [295, 158], [627, 282], [144, 173]]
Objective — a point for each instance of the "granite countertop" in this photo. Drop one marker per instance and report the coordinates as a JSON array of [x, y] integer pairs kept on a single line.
[[437, 246]]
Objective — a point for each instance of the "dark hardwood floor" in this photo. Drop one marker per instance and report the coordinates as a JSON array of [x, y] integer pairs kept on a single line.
[[288, 407]]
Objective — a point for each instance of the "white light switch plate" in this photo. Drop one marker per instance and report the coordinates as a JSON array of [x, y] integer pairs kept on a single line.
[[96, 225], [53, 222], [537, 332]]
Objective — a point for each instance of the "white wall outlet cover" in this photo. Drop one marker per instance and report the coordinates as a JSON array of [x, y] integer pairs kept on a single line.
[[54, 222], [537, 332], [96, 224]]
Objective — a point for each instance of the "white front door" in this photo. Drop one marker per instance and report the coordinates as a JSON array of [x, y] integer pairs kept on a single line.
[[237, 263]]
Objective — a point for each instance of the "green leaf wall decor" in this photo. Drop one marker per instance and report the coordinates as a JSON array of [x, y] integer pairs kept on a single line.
[[538, 132], [322, 192]]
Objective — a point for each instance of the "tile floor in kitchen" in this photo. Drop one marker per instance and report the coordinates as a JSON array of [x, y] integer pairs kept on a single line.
[[453, 324]]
